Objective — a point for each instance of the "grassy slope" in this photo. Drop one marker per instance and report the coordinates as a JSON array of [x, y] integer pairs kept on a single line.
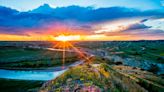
[[146, 79], [32, 58], [154, 51], [103, 78], [151, 52], [106, 77], [8, 85]]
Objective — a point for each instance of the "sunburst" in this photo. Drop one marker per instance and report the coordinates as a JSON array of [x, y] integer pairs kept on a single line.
[[63, 42]]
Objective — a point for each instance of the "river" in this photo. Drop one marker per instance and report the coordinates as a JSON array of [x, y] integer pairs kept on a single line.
[[41, 75]]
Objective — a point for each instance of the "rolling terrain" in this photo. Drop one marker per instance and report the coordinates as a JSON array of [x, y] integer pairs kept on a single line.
[[132, 66]]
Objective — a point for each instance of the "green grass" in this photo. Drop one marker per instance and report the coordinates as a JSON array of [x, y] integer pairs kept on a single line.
[[15, 54], [8, 85], [39, 63], [152, 52], [147, 80], [33, 58], [102, 77]]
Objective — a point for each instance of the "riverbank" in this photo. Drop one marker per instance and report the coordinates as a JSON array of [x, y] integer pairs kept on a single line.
[[43, 75], [29, 81], [11, 85], [26, 58]]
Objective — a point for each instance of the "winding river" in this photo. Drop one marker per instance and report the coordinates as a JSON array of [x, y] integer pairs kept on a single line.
[[30, 75], [42, 75]]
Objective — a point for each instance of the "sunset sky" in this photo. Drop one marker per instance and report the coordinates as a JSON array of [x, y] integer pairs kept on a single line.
[[81, 20]]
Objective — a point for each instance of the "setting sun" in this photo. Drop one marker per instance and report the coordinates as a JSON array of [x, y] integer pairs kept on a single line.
[[67, 38]]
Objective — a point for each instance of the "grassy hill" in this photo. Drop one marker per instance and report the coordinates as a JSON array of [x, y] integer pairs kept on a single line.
[[104, 78]]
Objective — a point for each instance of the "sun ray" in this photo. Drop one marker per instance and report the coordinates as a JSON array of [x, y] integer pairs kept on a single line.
[[80, 52], [63, 61], [63, 43]]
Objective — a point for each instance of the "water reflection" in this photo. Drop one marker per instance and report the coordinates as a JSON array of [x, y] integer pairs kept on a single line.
[[30, 75]]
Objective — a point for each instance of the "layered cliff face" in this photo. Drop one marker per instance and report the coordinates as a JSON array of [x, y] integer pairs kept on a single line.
[[104, 78]]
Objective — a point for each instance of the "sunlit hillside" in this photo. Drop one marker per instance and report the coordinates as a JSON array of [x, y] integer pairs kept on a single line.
[[82, 45]]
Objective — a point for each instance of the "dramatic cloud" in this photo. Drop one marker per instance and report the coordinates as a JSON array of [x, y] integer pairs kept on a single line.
[[45, 19], [130, 30], [82, 14], [137, 26]]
